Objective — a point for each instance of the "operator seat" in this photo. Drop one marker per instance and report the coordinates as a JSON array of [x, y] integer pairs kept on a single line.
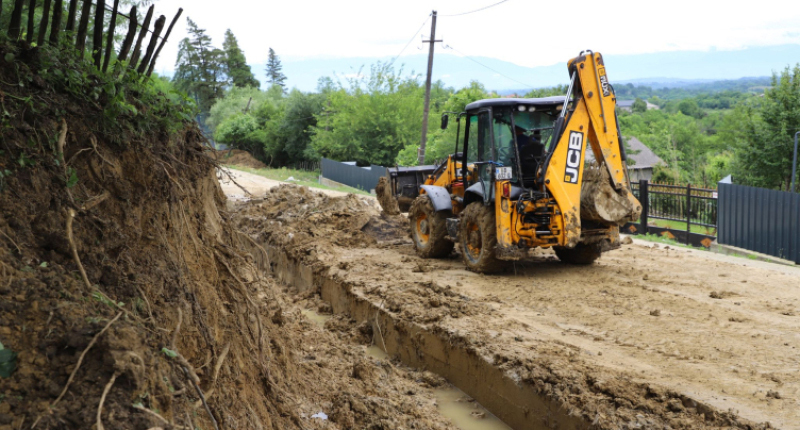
[[530, 157]]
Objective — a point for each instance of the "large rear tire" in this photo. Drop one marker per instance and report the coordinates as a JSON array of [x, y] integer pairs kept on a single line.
[[429, 229], [582, 253], [477, 238]]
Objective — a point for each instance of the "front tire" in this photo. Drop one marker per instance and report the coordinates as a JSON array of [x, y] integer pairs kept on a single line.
[[429, 229], [582, 254], [478, 239]]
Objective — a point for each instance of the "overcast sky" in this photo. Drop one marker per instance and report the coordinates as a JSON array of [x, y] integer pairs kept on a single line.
[[524, 32]]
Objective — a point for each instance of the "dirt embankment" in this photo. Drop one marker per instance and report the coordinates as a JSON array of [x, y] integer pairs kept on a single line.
[[125, 292], [238, 157], [648, 337]]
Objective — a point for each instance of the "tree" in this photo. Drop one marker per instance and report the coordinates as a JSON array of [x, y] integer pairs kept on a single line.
[[763, 133], [372, 120], [639, 106], [200, 71], [236, 67], [274, 67]]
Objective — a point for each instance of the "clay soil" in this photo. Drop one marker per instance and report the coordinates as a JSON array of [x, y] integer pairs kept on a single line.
[[238, 157], [649, 336], [132, 301]]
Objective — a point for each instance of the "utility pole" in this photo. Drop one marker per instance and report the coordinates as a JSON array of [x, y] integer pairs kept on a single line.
[[421, 155]]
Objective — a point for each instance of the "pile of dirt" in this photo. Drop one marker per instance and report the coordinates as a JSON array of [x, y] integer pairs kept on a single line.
[[238, 157], [125, 293], [297, 217]]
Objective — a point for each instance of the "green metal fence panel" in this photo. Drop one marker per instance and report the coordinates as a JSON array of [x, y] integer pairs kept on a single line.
[[364, 178]]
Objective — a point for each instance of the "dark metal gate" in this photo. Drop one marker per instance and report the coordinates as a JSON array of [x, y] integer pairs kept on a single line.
[[680, 207]]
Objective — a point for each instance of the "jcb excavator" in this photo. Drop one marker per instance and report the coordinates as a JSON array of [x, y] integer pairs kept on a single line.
[[517, 178]]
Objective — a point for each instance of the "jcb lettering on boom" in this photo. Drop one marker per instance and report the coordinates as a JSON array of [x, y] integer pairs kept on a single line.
[[573, 157], [603, 81]]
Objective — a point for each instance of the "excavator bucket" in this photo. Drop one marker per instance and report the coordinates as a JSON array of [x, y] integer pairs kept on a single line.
[[602, 203]]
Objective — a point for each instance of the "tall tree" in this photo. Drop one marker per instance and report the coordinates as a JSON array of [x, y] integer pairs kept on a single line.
[[200, 68], [764, 133], [236, 67], [274, 67]]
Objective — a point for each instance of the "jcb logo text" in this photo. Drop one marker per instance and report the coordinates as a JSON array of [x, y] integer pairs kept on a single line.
[[573, 157]]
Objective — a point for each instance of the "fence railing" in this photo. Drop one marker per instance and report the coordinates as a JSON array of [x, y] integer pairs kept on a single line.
[[761, 220], [681, 206], [51, 30]]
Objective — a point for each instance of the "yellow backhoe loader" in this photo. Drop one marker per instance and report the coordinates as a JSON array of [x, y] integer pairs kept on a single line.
[[518, 180]]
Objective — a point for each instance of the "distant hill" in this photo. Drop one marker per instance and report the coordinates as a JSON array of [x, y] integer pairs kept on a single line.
[[666, 69]]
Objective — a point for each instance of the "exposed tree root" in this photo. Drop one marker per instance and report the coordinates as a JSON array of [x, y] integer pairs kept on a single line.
[[77, 367]]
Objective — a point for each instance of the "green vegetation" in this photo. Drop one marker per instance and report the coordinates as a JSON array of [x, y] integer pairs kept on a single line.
[[274, 74], [681, 225], [702, 132]]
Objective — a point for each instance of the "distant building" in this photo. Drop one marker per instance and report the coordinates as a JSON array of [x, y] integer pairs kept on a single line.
[[627, 105], [644, 160]]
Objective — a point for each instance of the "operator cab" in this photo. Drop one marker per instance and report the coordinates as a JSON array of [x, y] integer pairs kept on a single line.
[[509, 139]]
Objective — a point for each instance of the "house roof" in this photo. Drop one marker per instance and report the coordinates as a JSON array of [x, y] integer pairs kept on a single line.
[[641, 154], [643, 158]]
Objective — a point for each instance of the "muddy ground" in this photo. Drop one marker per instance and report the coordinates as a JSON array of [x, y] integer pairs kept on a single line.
[[129, 299], [648, 337]]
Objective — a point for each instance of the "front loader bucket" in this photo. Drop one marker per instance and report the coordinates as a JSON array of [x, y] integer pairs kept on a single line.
[[404, 183]]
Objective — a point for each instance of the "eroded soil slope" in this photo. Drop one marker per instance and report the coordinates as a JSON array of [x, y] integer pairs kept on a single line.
[[126, 294], [648, 337]]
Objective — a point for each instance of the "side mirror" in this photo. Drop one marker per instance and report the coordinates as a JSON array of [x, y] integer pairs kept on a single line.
[[445, 118]]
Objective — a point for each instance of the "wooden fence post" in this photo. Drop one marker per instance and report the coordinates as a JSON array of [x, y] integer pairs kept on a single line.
[[15, 26], [138, 47], [132, 27], [58, 10], [163, 42], [44, 23], [97, 37], [110, 40], [73, 10], [151, 47], [31, 15], [83, 27]]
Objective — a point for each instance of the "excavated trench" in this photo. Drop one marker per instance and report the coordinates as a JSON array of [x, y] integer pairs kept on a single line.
[[534, 355], [517, 404]]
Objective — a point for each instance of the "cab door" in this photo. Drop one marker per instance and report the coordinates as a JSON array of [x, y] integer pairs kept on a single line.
[[480, 151]]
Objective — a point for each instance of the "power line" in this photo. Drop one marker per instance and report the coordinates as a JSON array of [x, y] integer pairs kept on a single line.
[[409, 41], [476, 10], [484, 65]]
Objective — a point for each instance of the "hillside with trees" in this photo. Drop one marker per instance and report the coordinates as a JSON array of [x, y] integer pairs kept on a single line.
[[702, 131]]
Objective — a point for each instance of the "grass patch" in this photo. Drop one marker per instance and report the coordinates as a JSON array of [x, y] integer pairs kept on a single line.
[[681, 225], [302, 177]]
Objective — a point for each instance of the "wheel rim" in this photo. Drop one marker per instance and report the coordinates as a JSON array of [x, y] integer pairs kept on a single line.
[[422, 229], [473, 243]]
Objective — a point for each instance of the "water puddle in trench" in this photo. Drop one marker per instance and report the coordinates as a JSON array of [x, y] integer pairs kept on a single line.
[[462, 410], [316, 318]]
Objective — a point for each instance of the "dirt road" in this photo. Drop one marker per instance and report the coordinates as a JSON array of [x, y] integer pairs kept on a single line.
[[648, 336], [255, 185]]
